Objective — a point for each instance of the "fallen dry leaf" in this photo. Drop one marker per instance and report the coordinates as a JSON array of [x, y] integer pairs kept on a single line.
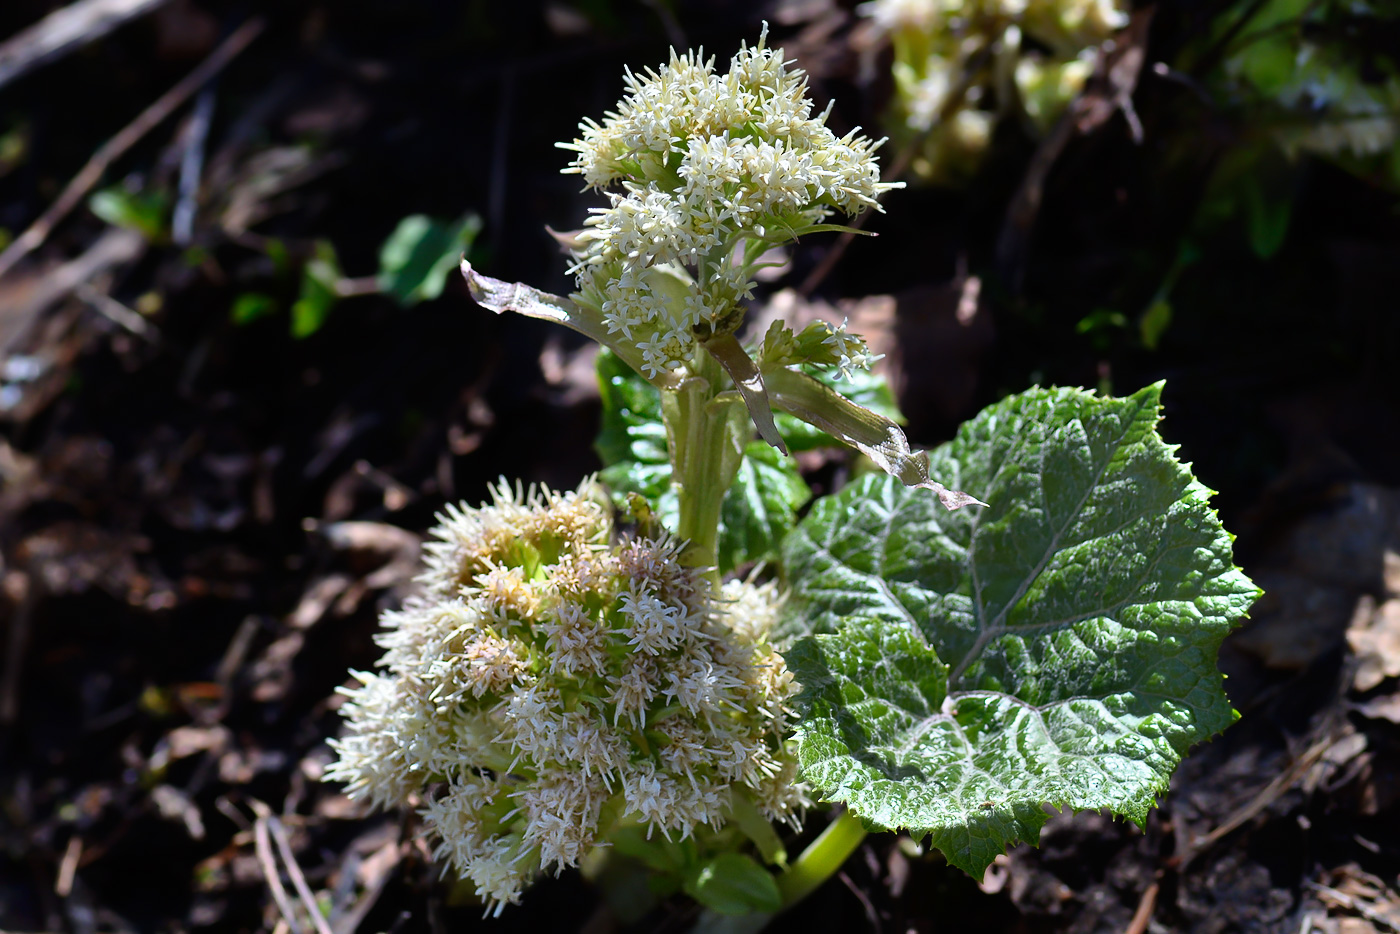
[[1374, 637]]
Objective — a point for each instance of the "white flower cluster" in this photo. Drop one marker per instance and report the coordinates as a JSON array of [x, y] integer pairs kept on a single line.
[[944, 87], [560, 685], [850, 350], [820, 343], [705, 162]]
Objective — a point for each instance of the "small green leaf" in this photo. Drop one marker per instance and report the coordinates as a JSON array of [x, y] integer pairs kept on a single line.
[[1154, 323], [1101, 319], [1268, 213], [1058, 647], [250, 306], [655, 852], [418, 256], [277, 252], [1269, 62], [318, 291], [760, 506], [134, 210], [733, 884], [755, 825]]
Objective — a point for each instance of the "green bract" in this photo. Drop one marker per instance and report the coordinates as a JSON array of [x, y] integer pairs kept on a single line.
[[1057, 647]]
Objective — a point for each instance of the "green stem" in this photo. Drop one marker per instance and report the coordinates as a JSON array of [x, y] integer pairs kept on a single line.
[[821, 859], [704, 436]]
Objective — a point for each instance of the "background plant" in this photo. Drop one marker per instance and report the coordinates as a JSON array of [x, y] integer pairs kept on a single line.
[[960, 66]]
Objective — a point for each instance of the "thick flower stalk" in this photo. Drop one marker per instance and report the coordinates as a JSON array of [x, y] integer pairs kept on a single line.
[[960, 64], [704, 172], [552, 684]]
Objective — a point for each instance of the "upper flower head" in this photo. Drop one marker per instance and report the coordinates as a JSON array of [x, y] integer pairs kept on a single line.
[[696, 164]]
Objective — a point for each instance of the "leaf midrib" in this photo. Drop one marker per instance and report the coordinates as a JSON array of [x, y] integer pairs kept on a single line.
[[986, 633]]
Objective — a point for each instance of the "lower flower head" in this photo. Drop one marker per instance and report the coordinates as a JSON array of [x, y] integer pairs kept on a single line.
[[551, 675]]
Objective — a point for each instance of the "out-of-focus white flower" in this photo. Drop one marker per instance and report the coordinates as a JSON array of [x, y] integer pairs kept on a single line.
[[696, 164], [550, 675], [959, 65], [892, 15]]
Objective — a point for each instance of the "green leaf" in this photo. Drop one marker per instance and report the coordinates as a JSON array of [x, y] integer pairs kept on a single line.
[[250, 306], [1268, 214], [632, 438], [1058, 647], [656, 853], [319, 279], [733, 884], [1154, 323], [418, 256], [134, 210], [759, 508]]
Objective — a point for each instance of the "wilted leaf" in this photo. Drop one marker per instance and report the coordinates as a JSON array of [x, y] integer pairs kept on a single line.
[[875, 436], [730, 354], [866, 389], [500, 296], [1058, 647]]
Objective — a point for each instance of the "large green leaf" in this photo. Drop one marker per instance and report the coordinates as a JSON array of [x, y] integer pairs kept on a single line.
[[759, 508], [1058, 647]]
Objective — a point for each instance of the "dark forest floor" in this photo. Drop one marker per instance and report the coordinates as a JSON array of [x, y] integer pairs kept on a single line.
[[200, 520]]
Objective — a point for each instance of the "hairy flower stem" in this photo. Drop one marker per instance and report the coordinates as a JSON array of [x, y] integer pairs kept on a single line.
[[822, 858], [706, 432]]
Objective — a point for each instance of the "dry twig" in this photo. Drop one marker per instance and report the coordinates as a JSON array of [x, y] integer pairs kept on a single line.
[[64, 30], [113, 149], [289, 860], [262, 844], [1267, 796]]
